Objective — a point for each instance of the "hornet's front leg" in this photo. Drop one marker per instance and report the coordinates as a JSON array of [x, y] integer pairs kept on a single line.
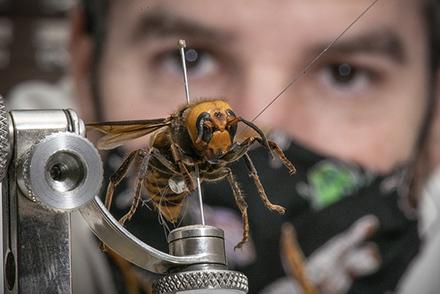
[[242, 206], [239, 149], [238, 196], [253, 174]]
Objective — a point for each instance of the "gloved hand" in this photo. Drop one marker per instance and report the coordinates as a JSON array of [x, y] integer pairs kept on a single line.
[[333, 267]]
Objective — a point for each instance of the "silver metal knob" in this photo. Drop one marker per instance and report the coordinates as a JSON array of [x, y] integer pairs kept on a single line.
[[210, 276], [63, 172], [196, 239], [202, 281]]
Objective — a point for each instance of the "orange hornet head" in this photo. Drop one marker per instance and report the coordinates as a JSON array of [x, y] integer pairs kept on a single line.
[[212, 126]]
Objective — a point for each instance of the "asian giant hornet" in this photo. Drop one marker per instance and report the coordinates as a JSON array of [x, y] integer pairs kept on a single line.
[[199, 135]]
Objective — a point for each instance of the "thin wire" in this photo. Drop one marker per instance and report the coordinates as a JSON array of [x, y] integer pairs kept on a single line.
[[182, 46], [199, 191], [309, 66]]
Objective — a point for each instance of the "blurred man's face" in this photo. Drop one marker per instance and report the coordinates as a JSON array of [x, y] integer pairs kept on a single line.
[[363, 100]]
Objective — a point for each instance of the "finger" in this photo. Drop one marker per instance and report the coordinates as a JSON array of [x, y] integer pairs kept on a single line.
[[332, 254], [360, 231], [364, 228], [363, 261], [337, 283]]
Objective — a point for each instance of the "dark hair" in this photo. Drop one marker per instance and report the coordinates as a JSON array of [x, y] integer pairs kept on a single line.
[[431, 13], [96, 14], [419, 168], [432, 17]]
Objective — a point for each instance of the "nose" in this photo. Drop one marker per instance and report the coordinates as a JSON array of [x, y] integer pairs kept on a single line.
[[262, 83]]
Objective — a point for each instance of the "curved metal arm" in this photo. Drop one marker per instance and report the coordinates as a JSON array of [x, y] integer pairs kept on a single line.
[[108, 230]]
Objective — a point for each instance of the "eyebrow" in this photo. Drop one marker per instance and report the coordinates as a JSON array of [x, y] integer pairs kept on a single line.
[[165, 24], [382, 42]]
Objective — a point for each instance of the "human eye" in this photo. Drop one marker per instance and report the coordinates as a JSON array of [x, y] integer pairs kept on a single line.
[[345, 78], [200, 63]]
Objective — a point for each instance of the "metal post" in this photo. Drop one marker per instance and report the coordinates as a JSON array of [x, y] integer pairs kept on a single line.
[[50, 168]]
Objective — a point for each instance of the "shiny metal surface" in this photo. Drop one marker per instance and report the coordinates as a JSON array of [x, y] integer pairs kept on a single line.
[[38, 239], [63, 171], [76, 125], [195, 231], [4, 140], [197, 239], [108, 230], [203, 277], [202, 281], [43, 252]]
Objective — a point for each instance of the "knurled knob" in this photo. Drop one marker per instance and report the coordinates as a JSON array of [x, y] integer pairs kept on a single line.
[[4, 140], [201, 281], [62, 172]]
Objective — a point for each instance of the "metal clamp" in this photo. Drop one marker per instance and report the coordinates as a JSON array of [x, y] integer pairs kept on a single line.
[[49, 169]]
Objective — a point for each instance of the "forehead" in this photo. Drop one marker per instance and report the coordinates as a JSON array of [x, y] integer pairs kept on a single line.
[[240, 17]]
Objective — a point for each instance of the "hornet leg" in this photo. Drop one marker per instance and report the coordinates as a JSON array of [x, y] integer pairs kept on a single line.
[[189, 182], [137, 194], [253, 174], [242, 206]]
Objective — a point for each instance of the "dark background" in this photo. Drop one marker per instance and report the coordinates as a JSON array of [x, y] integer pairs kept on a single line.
[[33, 36]]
